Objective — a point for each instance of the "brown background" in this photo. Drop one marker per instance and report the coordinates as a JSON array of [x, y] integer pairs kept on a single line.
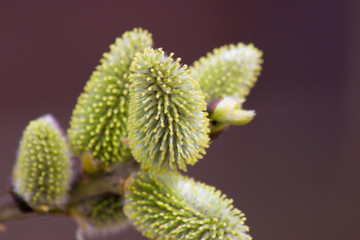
[[294, 170]]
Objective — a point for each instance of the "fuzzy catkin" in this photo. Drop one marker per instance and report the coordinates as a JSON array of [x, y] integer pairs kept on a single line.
[[101, 215], [99, 121], [230, 70], [172, 206], [168, 127], [42, 171]]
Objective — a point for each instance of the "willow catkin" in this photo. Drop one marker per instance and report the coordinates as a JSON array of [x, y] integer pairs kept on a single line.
[[100, 215], [168, 127], [172, 206], [42, 171], [230, 70], [99, 121]]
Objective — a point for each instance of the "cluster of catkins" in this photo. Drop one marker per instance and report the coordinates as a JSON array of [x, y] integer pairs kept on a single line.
[[140, 103]]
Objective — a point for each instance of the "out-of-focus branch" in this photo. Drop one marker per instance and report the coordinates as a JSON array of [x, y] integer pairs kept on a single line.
[[9, 211]]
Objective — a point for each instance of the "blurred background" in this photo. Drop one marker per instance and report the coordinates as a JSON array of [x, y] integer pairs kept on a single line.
[[294, 170]]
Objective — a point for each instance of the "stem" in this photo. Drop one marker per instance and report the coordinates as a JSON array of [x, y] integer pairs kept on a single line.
[[108, 182], [10, 212]]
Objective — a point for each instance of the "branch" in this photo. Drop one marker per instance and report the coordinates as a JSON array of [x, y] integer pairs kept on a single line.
[[82, 189], [108, 182], [85, 187], [9, 211]]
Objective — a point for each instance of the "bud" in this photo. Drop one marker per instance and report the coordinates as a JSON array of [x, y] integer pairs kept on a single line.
[[228, 71], [172, 206], [228, 110], [99, 121], [42, 171], [100, 215], [168, 127]]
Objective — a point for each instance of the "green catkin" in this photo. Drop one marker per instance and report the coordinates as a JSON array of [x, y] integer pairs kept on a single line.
[[42, 171], [100, 215], [171, 206], [99, 121], [230, 70], [168, 127]]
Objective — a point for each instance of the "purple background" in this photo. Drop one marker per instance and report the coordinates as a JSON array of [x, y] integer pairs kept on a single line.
[[294, 170]]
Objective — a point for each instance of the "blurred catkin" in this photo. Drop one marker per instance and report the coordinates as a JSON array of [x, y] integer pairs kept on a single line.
[[100, 215], [42, 171], [172, 206], [99, 121], [230, 70]]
